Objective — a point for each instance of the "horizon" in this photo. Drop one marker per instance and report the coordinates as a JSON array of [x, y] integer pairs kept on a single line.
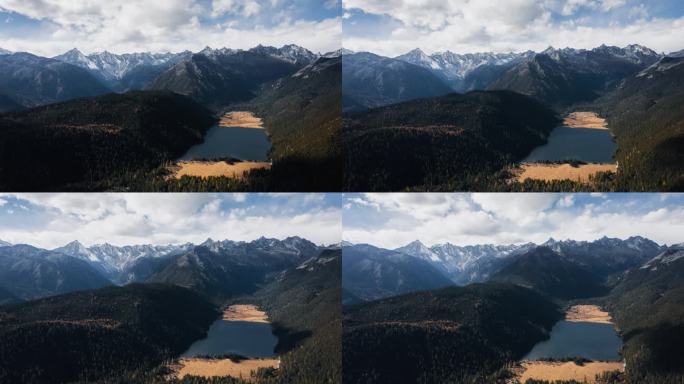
[[392, 29], [172, 53], [172, 244], [538, 244], [462, 53]]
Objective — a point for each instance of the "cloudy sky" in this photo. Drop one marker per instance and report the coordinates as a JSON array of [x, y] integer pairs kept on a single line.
[[393, 27], [394, 220], [51, 27], [52, 220]]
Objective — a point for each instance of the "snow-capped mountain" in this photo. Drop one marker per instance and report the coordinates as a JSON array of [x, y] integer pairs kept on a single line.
[[291, 53], [318, 66], [664, 259], [419, 250], [475, 263], [213, 53], [371, 273], [467, 264], [332, 54], [454, 68], [295, 246], [676, 54], [111, 259], [635, 54], [114, 67], [663, 65], [5, 52], [4, 244]]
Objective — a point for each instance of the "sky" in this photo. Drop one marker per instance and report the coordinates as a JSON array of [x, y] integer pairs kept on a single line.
[[52, 27], [53, 220], [394, 220], [394, 27]]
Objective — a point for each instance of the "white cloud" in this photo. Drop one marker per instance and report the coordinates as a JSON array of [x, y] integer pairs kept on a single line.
[[123, 218], [518, 25], [122, 26], [398, 219]]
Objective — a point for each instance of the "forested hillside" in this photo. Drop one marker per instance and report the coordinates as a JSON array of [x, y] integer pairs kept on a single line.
[[648, 307], [96, 143], [442, 143], [370, 273], [646, 116], [455, 335], [304, 303], [550, 274], [106, 333]]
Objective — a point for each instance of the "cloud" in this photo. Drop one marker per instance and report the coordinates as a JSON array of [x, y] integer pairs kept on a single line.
[[464, 26], [123, 26], [393, 220], [51, 220]]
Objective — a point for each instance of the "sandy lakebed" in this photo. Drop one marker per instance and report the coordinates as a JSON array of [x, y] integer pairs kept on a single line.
[[206, 169], [241, 119], [550, 172]]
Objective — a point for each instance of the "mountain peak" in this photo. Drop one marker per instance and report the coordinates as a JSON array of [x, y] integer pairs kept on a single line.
[[75, 243], [209, 241], [74, 51], [416, 243]]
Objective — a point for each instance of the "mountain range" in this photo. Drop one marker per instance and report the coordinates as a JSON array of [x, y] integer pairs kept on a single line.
[[28, 80], [130, 332], [447, 143], [465, 72], [581, 266], [479, 332], [216, 269], [558, 77], [99, 140]]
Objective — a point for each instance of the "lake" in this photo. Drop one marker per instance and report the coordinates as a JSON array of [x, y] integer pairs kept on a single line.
[[584, 144], [249, 144], [594, 341], [246, 338]]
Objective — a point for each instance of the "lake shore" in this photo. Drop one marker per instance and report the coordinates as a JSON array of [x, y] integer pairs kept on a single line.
[[209, 368], [245, 312], [206, 169], [550, 172], [241, 119], [568, 370]]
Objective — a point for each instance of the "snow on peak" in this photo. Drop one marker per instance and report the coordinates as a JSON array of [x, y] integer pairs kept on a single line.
[[419, 250], [667, 257]]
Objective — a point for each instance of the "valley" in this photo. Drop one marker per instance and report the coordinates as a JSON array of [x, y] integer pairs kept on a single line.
[[163, 324], [578, 339], [292, 93], [580, 154]]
